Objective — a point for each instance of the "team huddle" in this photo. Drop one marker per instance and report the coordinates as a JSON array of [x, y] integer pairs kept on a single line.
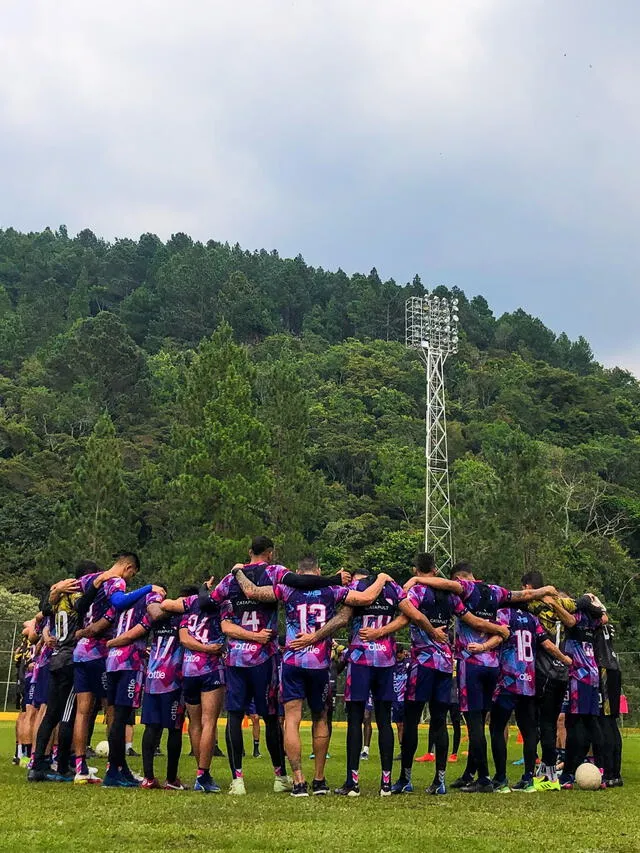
[[485, 650]]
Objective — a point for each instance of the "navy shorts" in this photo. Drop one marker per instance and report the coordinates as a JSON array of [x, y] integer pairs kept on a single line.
[[510, 701], [40, 687], [309, 684], [477, 684], [258, 683], [90, 676], [362, 680], [163, 709], [583, 698], [397, 712], [125, 688], [425, 684], [194, 686]]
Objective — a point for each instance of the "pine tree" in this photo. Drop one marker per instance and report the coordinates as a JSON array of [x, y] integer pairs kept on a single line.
[[220, 480], [97, 519]]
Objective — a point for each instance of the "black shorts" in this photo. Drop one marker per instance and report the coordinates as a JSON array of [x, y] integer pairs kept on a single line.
[[610, 691]]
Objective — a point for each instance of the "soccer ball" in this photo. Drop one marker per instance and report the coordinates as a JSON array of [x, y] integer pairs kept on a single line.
[[588, 777], [102, 749]]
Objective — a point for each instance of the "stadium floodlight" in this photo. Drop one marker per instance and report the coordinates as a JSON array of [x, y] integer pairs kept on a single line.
[[432, 330]]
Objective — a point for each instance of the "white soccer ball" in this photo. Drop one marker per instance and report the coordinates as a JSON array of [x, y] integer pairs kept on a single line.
[[102, 749], [588, 777]]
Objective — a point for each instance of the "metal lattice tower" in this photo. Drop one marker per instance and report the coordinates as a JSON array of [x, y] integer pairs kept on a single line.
[[432, 330]]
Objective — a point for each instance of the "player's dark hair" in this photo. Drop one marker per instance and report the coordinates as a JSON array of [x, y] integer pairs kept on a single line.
[[128, 555], [462, 569], [188, 590], [533, 579], [260, 544], [424, 563], [161, 585], [308, 563], [361, 573], [86, 567]]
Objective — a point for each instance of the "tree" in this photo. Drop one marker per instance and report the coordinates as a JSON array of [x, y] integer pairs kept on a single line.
[[96, 520]]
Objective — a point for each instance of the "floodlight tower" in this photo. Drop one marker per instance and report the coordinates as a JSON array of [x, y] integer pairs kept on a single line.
[[432, 330]]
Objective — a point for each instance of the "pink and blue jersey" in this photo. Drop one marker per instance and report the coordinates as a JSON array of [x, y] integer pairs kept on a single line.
[[306, 612], [482, 600], [518, 652], [204, 627], [579, 646], [164, 671], [132, 656], [380, 653], [95, 648], [253, 616], [439, 608]]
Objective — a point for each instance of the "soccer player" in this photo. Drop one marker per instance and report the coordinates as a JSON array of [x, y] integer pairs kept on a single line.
[[251, 628], [582, 720], [90, 654], [125, 672], [162, 706], [477, 671], [68, 607], [430, 673], [400, 675], [515, 691], [305, 673], [610, 690], [552, 676], [202, 674]]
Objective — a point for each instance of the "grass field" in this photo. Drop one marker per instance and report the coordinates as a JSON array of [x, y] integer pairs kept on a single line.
[[50, 817]]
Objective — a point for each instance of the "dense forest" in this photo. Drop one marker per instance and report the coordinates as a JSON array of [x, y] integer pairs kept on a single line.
[[178, 397]]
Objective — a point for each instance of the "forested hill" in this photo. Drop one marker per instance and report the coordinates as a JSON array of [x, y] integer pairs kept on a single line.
[[178, 397]]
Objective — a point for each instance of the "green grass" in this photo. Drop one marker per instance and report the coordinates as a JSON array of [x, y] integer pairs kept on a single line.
[[86, 819]]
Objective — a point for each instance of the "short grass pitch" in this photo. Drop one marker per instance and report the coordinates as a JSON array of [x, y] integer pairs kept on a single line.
[[63, 817]]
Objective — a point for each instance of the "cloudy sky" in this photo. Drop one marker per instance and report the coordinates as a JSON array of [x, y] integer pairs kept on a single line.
[[492, 144]]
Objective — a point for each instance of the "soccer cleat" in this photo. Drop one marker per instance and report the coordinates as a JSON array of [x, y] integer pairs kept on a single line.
[[131, 753], [151, 785], [206, 785], [541, 783], [348, 791], [217, 752], [90, 753], [502, 787], [436, 788], [428, 756], [115, 779], [174, 785], [364, 755], [86, 779], [566, 782], [518, 763], [453, 757], [36, 776], [300, 789], [158, 753], [256, 754], [525, 784], [319, 787], [460, 783], [282, 785], [385, 789], [15, 761], [237, 786], [402, 786], [132, 779], [478, 788], [312, 755]]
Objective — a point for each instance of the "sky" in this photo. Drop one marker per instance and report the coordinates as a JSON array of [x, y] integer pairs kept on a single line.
[[488, 144]]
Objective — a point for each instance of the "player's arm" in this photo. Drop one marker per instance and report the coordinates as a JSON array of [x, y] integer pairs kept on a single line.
[[367, 596], [172, 605], [555, 652], [518, 596], [61, 588], [194, 646], [567, 619], [130, 636], [488, 646], [255, 593], [47, 638], [124, 600], [484, 626], [95, 629], [338, 621], [435, 582], [370, 635], [230, 629]]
